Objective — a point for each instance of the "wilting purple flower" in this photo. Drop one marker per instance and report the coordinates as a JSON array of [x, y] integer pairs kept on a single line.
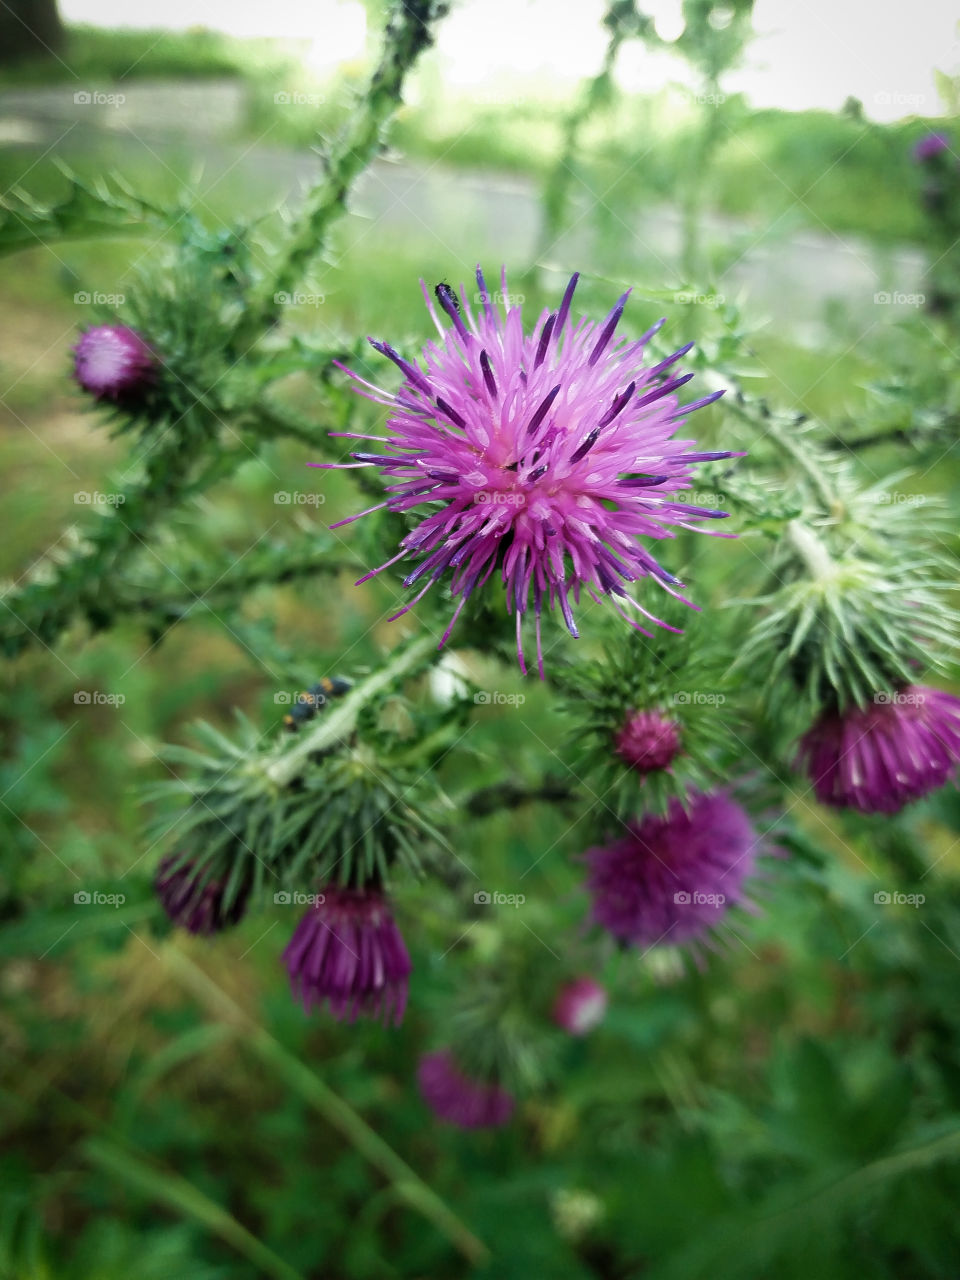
[[671, 878], [880, 757], [457, 1098], [580, 1006], [113, 362], [930, 145], [648, 741], [545, 456], [196, 901], [348, 951]]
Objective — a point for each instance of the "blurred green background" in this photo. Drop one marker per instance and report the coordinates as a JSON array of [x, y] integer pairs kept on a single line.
[[792, 1109]]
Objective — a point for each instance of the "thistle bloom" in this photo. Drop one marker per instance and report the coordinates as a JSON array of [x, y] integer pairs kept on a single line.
[[930, 145], [671, 878], [881, 757], [194, 902], [457, 1098], [348, 951], [113, 362], [648, 741], [545, 457], [580, 1006]]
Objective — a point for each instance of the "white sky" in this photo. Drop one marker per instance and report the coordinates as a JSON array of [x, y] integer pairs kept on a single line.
[[807, 53]]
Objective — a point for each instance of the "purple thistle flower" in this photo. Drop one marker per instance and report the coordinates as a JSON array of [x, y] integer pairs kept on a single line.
[[194, 902], [546, 456], [580, 1006], [648, 741], [113, 362], [348, 951], [930, 145], [457, 1098], [881, 757], [671, 878]]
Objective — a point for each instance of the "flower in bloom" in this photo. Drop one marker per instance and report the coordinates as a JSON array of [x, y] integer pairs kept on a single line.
[[459, 1099], [348, 952], [647, 741], [194, 901], [930, 145], [113, 362], [580, 1006], [880, 757], [544, 457], [671, 878]]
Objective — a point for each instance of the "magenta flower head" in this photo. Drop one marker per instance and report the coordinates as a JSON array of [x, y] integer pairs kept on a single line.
[[195, 901], [459, 1099], [580, 1006], [347, 952], [113, 362], [648, 741], [881, 757], [670, 879], [543, 457], [930, 145]]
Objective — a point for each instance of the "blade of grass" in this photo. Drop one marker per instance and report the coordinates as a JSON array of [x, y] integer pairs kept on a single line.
[[408, 1185]]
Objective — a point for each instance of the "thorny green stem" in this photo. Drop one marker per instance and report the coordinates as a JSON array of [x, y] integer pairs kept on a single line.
[[340, 720]]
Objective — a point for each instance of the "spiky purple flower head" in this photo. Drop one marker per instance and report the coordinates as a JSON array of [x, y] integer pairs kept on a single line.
[[580, 1006], [545, 456], [647, 741], [672, 878], [194, 900], [881, 757], [113, 362], [457, 1098], [347, 952], [930, 145]]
